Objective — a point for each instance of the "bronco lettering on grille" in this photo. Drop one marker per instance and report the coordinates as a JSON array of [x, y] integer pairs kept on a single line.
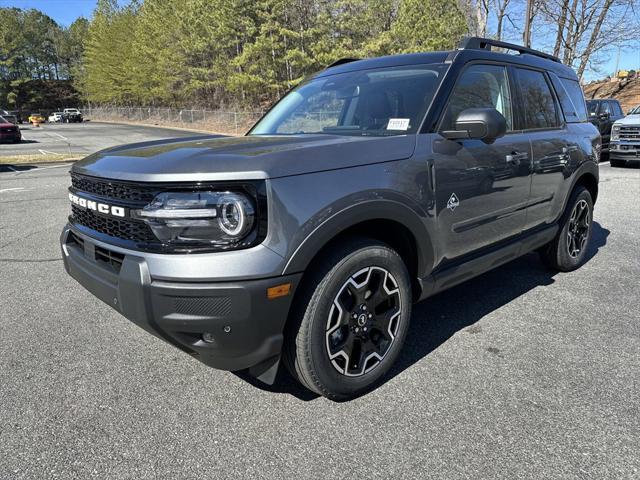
[[103, 208]]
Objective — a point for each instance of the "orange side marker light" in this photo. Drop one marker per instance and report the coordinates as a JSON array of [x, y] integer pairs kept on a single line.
[[278, 291]]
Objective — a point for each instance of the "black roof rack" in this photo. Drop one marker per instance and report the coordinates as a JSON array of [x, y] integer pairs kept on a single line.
[[478, 43], [342, 61]]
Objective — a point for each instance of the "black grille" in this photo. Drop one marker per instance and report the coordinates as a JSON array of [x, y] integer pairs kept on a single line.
[[114, 259], [109, 189], [203, 306], [73, 238], [138, 232], [629, 133]]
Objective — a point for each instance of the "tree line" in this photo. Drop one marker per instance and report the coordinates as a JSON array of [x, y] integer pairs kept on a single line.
[[247, 53], [38, 59]]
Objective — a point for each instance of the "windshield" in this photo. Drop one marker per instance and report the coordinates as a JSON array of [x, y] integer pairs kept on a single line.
[[377, 102], [635, 111], [592, 106], [2, 120]]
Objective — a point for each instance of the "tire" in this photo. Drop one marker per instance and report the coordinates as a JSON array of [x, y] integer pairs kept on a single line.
[[332, 315], [567, 251], [618, 163]]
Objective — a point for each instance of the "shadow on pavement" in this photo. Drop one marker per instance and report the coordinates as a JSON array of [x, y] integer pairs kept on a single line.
[[438, 318], [7, 167]]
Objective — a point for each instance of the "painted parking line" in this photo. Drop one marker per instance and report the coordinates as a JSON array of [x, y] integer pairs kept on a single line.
[[49, 134], [49, 152], [61, 136]]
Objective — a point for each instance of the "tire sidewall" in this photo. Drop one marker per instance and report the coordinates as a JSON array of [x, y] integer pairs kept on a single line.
[[326, 373], [566, 261]]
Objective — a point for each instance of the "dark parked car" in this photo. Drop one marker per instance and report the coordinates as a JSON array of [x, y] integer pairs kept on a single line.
[[71, 115], [372, 185], [603, 113], [9, 131]]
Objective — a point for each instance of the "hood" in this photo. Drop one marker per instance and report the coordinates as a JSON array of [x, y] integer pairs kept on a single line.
[[629, 120], [205, 158]]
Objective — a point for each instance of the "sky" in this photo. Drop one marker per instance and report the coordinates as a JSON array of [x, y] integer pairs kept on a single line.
[[66, 11]]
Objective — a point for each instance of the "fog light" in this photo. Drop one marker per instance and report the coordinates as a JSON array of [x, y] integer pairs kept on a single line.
[[208, 337]]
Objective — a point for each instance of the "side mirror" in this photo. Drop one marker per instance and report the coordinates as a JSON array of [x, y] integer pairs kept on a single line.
[[478, 123], [604, 115]]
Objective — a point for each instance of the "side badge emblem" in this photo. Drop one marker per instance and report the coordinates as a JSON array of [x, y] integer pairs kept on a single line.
[[453, 202]]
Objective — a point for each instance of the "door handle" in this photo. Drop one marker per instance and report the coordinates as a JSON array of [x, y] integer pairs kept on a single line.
[[516, 157]]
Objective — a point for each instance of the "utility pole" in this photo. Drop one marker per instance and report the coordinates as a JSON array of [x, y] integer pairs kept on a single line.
[[527, 24], [615, 72]]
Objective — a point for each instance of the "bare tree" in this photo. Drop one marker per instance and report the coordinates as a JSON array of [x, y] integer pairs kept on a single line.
[[476, 13], [586, 28], [501, 10], [561, 23]]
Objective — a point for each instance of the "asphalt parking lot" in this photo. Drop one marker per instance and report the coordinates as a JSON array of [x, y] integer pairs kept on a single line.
[[83, 138], [520, 373]]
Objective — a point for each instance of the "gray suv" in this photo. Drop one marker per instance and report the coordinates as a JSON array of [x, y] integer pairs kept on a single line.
[[373, 185]]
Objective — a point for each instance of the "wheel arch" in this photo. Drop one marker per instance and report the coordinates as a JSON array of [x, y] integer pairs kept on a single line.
[[589, 181], [387, 221], [586, 175]]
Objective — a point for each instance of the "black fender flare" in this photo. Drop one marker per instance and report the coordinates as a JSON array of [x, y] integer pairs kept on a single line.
[[588, 167], [378, 209]]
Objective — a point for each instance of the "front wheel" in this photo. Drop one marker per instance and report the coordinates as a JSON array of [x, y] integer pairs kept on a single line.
[[568, 250], [350, 321]]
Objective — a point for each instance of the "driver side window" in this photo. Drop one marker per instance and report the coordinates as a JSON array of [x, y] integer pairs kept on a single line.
[[480, 86]]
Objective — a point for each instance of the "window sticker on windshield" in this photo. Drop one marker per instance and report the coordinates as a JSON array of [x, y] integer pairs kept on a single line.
[[398, 124]]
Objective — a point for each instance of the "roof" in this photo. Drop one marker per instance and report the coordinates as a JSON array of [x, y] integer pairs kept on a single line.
[[472, 48]]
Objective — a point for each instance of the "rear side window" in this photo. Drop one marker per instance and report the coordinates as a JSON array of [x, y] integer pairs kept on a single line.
[[571, 99], [538, 103]]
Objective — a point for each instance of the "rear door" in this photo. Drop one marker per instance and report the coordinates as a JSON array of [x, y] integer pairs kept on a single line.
[[481, 187], [554, 147]]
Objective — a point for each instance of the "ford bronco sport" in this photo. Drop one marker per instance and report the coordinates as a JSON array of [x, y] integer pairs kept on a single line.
[[374, 184]]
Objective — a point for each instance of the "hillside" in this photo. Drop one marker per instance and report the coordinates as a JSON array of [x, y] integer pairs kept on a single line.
[[626, 92]]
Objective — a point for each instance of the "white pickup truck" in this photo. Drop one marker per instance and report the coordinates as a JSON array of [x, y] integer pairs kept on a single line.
[[625, 139]]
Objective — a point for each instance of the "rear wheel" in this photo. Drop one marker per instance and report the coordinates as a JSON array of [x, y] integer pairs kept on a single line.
[[567, 251], [617, 163], [349, 324]]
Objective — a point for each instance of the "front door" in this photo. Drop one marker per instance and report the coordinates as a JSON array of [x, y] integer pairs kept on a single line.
[[482, 189]]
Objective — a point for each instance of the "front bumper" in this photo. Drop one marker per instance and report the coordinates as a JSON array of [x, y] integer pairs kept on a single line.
[[624, 151], [246, 326], [10, 136]]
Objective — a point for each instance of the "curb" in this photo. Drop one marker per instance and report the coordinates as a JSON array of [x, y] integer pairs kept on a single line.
[[158, 125]]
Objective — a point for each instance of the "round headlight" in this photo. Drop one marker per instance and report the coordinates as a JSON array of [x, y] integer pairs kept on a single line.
[[232, 219]]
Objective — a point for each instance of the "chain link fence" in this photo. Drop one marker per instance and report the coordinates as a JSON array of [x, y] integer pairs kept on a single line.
[[232, 123]]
